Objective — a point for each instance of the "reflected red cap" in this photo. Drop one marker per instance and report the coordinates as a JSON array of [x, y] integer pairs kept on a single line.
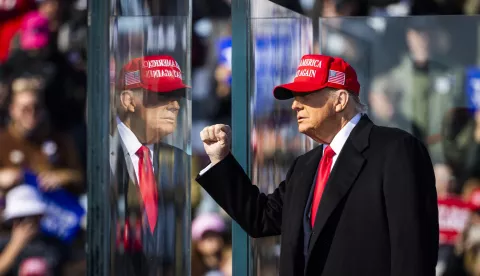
[[316, 72], [160, 74]]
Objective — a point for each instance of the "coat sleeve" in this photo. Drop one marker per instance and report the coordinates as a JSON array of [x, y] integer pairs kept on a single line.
[[411, 208], [258, 214]]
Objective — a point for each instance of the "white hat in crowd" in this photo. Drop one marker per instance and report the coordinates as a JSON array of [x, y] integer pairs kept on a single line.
[[23, 201]]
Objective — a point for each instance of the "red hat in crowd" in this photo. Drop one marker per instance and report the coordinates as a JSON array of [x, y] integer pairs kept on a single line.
[[34, 266], [159, 74], [34, 32], [316, 72]]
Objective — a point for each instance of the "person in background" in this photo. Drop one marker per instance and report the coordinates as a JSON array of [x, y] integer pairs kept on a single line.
[[208, 232], [420, 87], [64, 87], [11, 17], [466, 258], [444, 180], [461, 144], [454, 213], [48, 9], [226, 265], [30, 143], [27, 249]]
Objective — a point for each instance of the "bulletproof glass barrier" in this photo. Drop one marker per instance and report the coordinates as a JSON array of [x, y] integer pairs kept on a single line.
[[149, 138], [420, 74], [280, 37]]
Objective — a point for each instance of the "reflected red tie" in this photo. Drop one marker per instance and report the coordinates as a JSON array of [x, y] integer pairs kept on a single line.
[[322, 177], [148, 187]]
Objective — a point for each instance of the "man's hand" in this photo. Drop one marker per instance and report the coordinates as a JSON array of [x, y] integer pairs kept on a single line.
[[216, 141]]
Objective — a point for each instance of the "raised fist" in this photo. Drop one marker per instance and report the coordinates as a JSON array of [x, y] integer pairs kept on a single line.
[[216, 141]]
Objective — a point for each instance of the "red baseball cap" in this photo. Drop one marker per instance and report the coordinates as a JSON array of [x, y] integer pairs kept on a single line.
[[159, 74], [316, 72]]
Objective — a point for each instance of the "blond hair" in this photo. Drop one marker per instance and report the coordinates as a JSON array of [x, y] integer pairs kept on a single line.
[[26, 84]]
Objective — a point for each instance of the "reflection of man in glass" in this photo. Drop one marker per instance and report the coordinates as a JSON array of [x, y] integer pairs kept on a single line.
[[147, 104]]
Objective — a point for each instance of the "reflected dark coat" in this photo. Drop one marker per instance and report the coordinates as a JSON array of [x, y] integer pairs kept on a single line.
[[160, 250], [378, 215]]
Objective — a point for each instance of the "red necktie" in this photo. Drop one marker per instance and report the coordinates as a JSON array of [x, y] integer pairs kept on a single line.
[[322, 177], [148, 187]]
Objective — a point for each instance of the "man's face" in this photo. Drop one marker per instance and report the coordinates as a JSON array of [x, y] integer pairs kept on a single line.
[[25, 110], [155, 113], [315, 112], [210, 244], [50, 8]]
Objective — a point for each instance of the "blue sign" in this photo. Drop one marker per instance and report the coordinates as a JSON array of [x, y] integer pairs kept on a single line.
[[225, 54], [473, 87], [63, 211], [273, 62]]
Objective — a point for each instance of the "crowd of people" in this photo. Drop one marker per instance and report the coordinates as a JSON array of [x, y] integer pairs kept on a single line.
[[417, 73], [43, 135]]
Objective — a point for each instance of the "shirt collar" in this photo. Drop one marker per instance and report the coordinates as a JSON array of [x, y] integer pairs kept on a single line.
[[342, 136], [130, 141]]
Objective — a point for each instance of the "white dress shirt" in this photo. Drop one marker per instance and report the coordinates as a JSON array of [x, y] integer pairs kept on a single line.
[[131, 145], [341, 137], [336, 144]]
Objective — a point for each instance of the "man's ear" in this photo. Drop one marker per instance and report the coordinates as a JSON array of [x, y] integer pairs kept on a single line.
[[341, 100], [127, 101]]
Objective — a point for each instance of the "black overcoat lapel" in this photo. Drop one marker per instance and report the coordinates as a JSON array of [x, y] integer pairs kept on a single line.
[[346, 169]]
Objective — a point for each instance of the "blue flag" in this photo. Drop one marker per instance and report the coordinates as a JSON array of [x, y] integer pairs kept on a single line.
[[63, 211], [272, 66], [473, 87]]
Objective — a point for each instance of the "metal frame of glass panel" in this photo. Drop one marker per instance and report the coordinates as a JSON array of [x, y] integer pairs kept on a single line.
[[98, 102], [241, 43], [243, 86]]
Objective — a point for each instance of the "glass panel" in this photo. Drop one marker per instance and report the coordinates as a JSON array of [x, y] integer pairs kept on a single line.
[[280, 38], [150, 137], [422, 74], [211, 102]]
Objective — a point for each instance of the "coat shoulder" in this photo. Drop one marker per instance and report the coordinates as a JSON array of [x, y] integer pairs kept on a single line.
[[384, 136]]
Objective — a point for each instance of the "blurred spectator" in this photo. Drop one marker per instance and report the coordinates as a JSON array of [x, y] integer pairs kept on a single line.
[[225, 268], [11, 17], [466, 259], [31, 143], [48, 10], [208, 240], [419, 90], [444, 180], [461, 145], [382, 99], [63, 86], [72, 36], [26, 251]]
